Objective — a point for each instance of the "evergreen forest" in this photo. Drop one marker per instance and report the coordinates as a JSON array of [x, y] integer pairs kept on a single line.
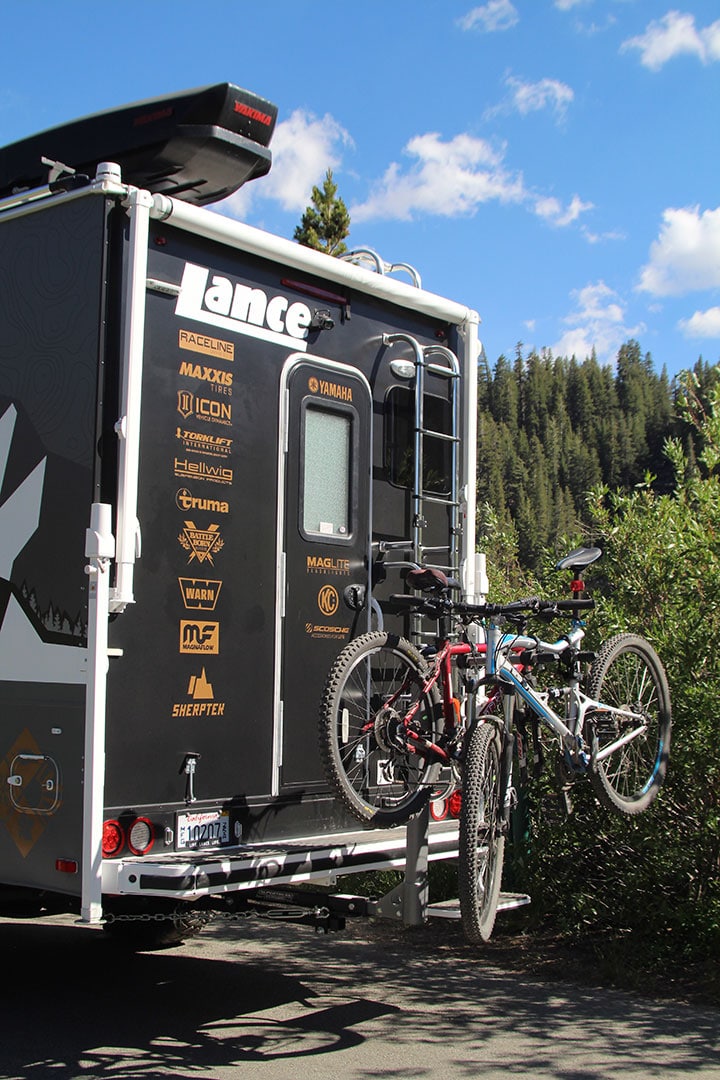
[[552, 430], [573, 453]]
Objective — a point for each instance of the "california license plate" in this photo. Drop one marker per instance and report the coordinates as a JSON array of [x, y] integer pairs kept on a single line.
[[203, 829]]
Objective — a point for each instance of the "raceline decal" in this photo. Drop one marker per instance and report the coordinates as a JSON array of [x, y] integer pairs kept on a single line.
[[245, 309], [209, 346]]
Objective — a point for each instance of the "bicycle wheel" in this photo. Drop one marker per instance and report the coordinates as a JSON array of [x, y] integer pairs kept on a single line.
[[371, 687], [481, 838], [629, 758]]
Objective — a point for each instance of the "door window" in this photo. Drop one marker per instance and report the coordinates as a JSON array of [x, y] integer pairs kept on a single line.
[[326, 503]]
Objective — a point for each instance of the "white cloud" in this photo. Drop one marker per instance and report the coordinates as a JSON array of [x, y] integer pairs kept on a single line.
[[553, 212], [686, 255], [527, 97], [703, 324], [448, 178], [566, 5], [495, 15], [675, 34], [304, 147], [598, 322], [453, 179]]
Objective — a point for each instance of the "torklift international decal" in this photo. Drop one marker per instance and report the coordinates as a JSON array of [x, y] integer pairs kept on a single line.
[[245, 309]]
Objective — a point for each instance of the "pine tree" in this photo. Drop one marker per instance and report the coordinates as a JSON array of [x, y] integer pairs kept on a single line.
[[325, 223]]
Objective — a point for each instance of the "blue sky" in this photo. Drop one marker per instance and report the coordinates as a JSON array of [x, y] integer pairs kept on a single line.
[[554, 164]]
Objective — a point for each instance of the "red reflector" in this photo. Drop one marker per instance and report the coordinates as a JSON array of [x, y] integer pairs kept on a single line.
[[66, 866], [113, 838], [577, 586], [455, 804]]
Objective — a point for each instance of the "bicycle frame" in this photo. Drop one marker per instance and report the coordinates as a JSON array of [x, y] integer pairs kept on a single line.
[[578, 704]]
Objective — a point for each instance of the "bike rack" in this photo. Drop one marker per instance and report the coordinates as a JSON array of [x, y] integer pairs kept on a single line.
[[409, 900]]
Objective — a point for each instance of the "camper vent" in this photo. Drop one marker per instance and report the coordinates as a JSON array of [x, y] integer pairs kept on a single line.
[[198, 146]]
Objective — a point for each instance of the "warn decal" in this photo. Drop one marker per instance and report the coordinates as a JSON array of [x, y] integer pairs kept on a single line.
[[243, 308]]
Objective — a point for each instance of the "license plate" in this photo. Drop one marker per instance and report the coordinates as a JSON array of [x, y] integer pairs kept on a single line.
[[203, 829]]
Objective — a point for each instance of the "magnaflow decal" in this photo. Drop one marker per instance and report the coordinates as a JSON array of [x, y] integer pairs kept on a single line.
[[24, 656], [246, 309]]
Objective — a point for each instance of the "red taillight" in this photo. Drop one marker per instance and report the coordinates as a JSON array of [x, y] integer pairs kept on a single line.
[[113, 838], [66, 866], [455, 803], [141, 836]]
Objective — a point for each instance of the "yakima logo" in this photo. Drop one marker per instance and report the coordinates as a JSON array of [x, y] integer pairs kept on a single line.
[[245, 309], [253, 114]]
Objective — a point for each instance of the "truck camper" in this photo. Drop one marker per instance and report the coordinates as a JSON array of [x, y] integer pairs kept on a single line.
[[218, 452]]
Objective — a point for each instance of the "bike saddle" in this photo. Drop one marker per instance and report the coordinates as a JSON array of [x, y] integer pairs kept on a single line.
[[579, 558], [428, 579]]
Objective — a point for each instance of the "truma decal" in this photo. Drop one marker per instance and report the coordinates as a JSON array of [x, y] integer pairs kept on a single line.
[[218, 301]]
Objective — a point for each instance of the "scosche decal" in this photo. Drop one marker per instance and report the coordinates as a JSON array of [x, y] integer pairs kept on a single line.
[[200, 470], [324, 564], [330, 389], [192, 407], [203, 699], [199, 637], [199, 442], [185, 501], [209, 346], [244, 309], [201, 543], [315, 631], [199, 594], [220, 381], [328, 600]]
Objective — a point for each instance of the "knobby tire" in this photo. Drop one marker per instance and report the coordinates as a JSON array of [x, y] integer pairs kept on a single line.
[[371, 686], [481, 837], [627, 673]]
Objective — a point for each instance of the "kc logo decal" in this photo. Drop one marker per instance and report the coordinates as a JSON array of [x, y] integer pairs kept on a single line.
[[328, 600]]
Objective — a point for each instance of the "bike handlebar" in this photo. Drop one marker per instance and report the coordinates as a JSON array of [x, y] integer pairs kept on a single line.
[[533, 605]]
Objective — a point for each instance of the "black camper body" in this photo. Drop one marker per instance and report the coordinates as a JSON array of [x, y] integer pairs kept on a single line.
[[218, 451]]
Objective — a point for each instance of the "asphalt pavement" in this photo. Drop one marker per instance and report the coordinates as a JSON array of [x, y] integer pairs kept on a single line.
[[277, 1001]]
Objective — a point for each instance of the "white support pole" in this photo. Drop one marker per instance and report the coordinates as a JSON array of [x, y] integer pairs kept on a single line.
[[127, 428], [99, 549], [469, 374]]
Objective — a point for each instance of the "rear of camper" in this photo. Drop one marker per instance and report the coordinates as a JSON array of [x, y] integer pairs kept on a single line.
[[218, 452]]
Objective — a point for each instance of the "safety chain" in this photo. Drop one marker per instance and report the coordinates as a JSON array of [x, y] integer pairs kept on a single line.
[[187, 920]]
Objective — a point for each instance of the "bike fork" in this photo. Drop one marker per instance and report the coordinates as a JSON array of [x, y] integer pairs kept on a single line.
[[507, 790]]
